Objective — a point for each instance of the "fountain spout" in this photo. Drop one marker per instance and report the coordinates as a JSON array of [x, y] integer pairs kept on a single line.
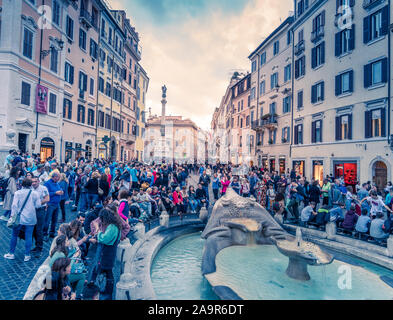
[[299, 238]]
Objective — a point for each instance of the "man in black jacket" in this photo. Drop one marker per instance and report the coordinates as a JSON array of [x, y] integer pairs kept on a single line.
[[204, 180], [201, 197]]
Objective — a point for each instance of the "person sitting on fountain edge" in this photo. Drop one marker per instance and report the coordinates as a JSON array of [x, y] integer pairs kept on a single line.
[[307, 213], [201, 197]]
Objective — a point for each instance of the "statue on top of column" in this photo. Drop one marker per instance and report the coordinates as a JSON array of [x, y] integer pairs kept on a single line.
[[164, 91]]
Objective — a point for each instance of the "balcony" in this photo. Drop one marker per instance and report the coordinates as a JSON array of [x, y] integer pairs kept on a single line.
[[317, 34], [300, 47], [86, 19], [128, 137], [369, 4], [268, 121]]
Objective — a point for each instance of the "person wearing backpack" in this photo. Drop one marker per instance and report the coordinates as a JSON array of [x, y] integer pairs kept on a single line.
[[23, 211]]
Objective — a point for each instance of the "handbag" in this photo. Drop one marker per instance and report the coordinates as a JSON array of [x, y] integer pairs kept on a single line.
[[14, 220]]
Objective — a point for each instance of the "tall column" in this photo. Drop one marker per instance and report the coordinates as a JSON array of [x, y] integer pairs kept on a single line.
[[163, 103]]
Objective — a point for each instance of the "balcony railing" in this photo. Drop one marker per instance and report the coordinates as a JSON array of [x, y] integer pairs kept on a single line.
[[300, 47], [317, 34], [86, 18], [266, 122]]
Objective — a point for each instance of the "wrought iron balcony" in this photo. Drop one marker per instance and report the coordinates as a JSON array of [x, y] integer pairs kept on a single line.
[[86, 18], [317, 34], [300, 47], [268, 121]]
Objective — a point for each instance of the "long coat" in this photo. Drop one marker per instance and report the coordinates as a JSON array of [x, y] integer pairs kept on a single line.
[[9, 196]]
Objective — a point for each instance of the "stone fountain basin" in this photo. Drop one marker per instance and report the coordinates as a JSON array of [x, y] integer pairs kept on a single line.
[[308, 251]]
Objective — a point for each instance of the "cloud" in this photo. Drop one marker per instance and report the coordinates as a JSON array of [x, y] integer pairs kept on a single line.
[[196, 56]]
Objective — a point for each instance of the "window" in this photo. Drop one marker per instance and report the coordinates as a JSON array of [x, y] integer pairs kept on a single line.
[[25, 93], [253, 94], [108, 89], [272, 136], [82, 81], [101, 83], [110, 35], [28, 43], [344, 127], [91, 86], [70, 28], [262, 88], [54, 59], [247, 121], [300, 36], [302, 5], [318, 23], [93, 49], [52, 103], [287, 73], [345, 41], [376, 25], [69, 73], [67, 109], [81, 114], [375, 73], [276, 48], [300, 67], [375, 123], [272, 108], [289, 38], [254, 66], [300, 99], [263, 58], [274, 80], [317, 92], [101, 119], [344, 83], [90, 117], [103, 29], [107, 121], [316, 131], [285, 135], [286, 105], [298, 134], [82, 39], [318, 55], [56, 12]]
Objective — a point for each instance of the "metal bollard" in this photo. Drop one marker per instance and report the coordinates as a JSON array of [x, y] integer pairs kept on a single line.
[[125, 287]]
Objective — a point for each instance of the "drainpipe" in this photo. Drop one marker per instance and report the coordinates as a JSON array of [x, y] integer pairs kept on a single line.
[[293, 94], [111, 122], [98, 85]]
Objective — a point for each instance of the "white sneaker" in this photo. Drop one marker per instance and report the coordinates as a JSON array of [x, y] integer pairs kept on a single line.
[[27, 258], [3, 218], [9, 256]]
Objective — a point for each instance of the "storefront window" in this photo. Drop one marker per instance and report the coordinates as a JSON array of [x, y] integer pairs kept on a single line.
[[318, 171], [272, 165], [265, 164], [299, 168], [68, 151], [47, 149], [348, 170], [282, 166]]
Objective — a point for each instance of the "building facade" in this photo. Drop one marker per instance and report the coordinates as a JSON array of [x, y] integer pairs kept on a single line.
[[271, 98], [142, 87], [341, 91]]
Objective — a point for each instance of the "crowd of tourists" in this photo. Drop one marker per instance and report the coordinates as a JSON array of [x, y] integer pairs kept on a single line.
[[109, 198]]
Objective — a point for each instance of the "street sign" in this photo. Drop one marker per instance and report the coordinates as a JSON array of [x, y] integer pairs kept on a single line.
[[106, 139]]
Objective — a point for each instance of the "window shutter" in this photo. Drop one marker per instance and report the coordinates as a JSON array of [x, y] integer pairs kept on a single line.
[[71, 75], [367, 123], [367, 75], [338, 128], [383, 122], [321, 131], [84, 82], [366, 30], [385, 70], [313, 133], [323, 52], [338, 44], [323, 18], [303, 65], [350, 127], [338, 85], [351, 81], [297, 69], [385, 20], [313, 94], [296, 134], [314, 25], [313, 57], [323, 91], [352, 38]]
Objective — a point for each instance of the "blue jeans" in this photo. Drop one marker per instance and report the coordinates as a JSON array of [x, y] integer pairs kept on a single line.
[[83, 202], [193, 205], [28, 238], [92, 198], [207, 192], [51, 218]]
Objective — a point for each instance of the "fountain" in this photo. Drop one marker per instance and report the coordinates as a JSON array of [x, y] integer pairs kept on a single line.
[[302, 253], [240, 221]]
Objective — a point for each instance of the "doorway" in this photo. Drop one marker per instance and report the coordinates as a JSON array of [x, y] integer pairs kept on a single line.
[[380, 175], [22, 142]]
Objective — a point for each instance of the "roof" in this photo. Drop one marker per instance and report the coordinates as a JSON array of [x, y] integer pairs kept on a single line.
[[288, 21]]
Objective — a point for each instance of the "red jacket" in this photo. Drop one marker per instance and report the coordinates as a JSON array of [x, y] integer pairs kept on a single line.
[[177, 197]]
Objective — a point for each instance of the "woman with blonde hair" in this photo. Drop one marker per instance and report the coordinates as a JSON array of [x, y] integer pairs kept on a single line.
[[109, 176], [64, 198]]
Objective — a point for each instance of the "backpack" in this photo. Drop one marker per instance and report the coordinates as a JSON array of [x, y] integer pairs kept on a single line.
[[3, 186]]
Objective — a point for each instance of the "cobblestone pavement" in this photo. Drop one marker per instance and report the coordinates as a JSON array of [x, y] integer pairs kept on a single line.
[[16, 275]]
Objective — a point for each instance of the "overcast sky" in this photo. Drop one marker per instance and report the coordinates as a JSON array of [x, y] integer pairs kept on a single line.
[[194, 46]]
